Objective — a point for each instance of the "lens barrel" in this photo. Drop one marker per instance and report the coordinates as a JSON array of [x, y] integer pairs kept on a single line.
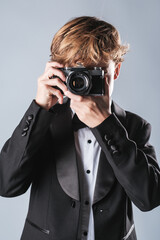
[[79, 83]]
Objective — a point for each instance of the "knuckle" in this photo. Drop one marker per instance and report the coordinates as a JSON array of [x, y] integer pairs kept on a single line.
[[49, 72], [62, 76], [55, 81], [48, 64], [94, 104], [40, 78], [47, 94], [51, 69], [59, 93], [56, 92], [51, 92], [80, 98], [42, 82], [89, 110], [45, 87]]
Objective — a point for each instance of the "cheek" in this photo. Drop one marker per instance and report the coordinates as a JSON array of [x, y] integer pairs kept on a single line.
[[110, 81], [111, 86]]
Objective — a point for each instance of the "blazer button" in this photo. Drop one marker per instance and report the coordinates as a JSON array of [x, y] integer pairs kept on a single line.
[[30, 117], [115, 153], [113, 148], [106, 137], [73, 204], [24, 134], [26, 128], [109, 142], [28, 122]]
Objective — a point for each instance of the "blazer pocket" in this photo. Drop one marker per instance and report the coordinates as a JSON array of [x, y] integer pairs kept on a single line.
[[131, 235], [32, 231], [46, 231]]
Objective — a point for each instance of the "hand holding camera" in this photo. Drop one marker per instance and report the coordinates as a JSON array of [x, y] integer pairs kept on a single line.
[[85, 87], [79, 80], [91, 110], [47, 95]]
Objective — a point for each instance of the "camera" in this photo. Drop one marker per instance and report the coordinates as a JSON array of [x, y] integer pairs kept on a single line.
[[83, 81]]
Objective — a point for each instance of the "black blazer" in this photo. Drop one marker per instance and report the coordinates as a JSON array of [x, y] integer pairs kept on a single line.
[[41, 152]]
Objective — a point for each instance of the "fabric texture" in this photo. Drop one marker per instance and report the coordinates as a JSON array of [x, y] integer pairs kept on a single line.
[[41, 152]]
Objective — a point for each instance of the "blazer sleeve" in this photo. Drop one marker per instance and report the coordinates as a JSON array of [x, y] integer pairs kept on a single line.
[[133, 161], [19, 153]]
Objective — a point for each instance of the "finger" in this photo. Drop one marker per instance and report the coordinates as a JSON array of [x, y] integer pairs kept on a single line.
[[56, 82], [56, 93], [73, 96], [54, 72], [53, 64]]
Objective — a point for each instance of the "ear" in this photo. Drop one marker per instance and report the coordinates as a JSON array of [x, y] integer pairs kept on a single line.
[[117, 70]]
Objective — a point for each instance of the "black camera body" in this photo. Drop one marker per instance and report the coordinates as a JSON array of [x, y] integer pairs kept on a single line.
[[83, 81]]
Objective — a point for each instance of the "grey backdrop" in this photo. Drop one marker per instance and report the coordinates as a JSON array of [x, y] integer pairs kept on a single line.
[[26, 31]]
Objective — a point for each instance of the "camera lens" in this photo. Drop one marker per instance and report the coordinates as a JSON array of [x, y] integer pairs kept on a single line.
[[78, 83]]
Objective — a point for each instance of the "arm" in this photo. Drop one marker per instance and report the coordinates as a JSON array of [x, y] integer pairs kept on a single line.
[[134, 163], [19, 153]]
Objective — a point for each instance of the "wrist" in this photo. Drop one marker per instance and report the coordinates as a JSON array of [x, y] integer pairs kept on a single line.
[[100, 120], [41, 105], [107, 116]]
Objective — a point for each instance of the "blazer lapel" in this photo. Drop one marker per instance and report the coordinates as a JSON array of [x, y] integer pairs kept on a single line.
[[105, 175], [105, 179], [120, 113], [65, 153]]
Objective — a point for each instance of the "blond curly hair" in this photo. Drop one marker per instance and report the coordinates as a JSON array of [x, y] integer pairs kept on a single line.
[[88, 41]]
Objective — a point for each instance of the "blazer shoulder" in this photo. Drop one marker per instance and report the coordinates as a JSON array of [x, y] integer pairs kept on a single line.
[[133, 118], [127, 117], [138, 128]]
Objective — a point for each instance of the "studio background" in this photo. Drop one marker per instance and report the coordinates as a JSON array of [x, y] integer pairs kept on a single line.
[[26, 31]]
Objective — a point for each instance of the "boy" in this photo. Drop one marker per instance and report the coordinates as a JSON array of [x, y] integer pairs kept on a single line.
[[86, 158]]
